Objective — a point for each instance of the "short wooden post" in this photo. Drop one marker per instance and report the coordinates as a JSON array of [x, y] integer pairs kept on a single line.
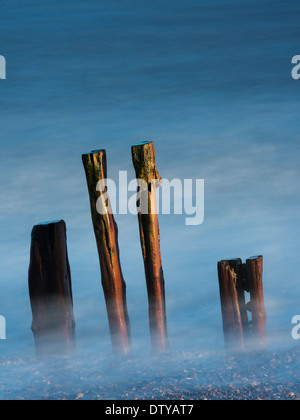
[[236, 278], [257, 305], [106, 233], [232, 318], [50, 290], [143, 156]]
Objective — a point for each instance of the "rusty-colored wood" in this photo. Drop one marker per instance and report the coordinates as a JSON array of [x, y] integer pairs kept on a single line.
[[106, 233], [257, 306], [236, 278], [143, 156], [231, 313], [50, 290]]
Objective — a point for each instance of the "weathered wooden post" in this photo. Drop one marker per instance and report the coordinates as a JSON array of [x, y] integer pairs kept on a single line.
[[50, 290], [254, 267], [232, 319], [106, 233], [143, 156], [236, 278]]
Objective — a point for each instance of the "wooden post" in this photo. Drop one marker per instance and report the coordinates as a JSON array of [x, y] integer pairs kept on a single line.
[[143, 156], [236, 278], [50, 289], [106, 233], [231, 313], [257, 306]]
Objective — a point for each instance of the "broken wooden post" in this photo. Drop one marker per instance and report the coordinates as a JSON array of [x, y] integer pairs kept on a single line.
[[143, 156], [106, 233], [236, 278], [254, 267], [50, 289], [232, 319]]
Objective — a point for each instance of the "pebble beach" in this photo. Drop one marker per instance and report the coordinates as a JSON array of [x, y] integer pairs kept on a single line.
[[174, 376]]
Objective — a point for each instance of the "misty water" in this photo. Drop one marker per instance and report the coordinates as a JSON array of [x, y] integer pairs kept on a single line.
[[210, 83]]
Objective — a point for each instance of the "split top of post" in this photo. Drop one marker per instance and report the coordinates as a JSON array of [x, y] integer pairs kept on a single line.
[[94, 153]]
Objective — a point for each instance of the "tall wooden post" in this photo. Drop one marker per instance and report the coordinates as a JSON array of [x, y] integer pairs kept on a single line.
[[143, 156], [257, 306], [50, 289], [106, 233]]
